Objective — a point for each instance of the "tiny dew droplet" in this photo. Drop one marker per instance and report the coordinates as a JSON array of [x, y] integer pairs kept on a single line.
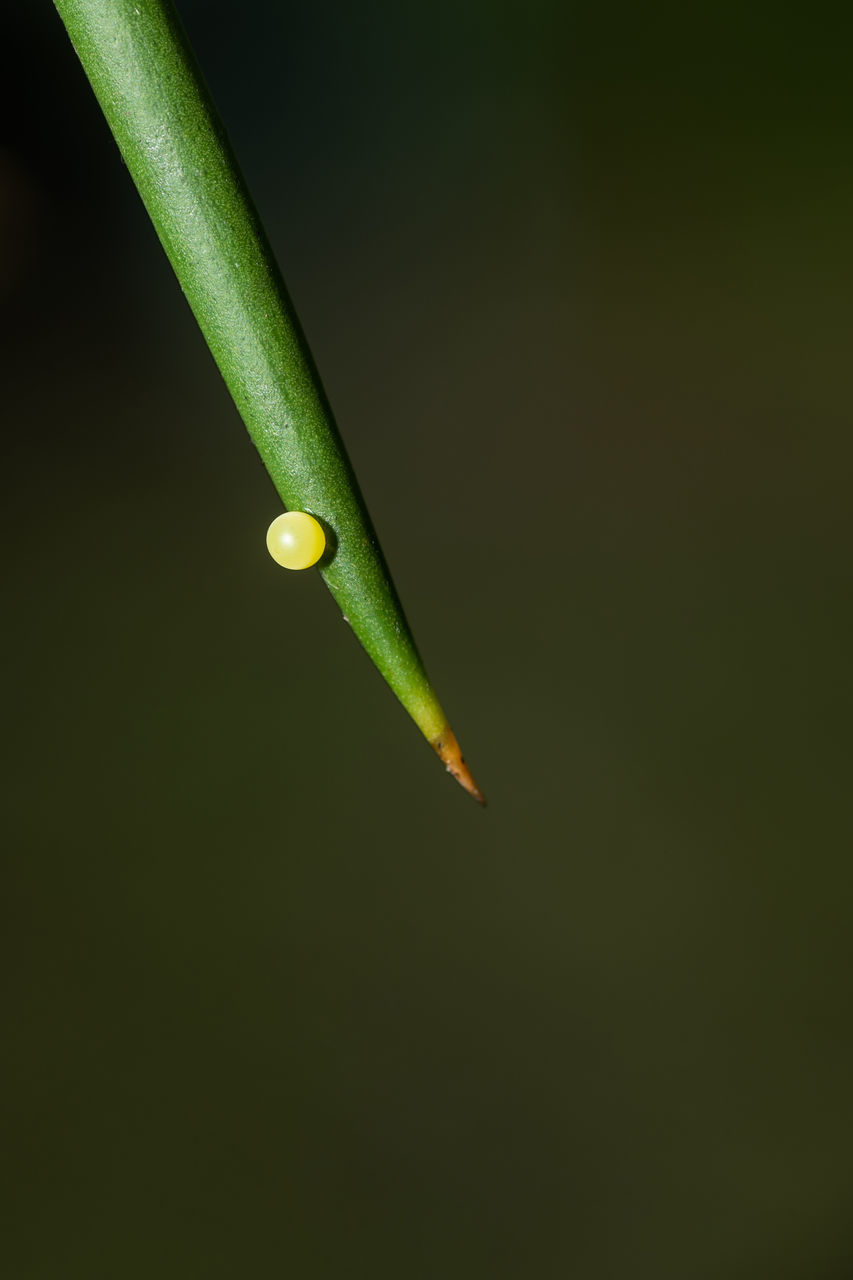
[[296, 540]]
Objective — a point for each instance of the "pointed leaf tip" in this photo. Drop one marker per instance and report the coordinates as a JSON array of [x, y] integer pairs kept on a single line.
[[448, 750]]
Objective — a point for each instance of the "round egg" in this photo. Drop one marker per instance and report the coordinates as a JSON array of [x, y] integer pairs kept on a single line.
[[296, 540]]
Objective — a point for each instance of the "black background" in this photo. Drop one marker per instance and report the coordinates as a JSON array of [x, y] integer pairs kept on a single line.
[[280, 999]]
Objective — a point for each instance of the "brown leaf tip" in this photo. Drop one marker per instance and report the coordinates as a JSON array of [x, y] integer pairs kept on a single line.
[[448, 750]]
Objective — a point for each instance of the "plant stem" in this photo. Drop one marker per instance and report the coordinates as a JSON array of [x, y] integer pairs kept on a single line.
[[139, 63]]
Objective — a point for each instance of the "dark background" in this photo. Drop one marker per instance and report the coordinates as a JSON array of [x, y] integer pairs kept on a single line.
[[279, 998]]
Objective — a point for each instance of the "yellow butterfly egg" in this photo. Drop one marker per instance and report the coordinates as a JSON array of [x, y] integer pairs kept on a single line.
[[296, 540]]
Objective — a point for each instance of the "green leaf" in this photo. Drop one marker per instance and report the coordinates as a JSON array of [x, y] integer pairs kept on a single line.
[[139, 63]]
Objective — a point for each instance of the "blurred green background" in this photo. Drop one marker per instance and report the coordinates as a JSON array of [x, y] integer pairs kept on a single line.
[[279, 999]]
